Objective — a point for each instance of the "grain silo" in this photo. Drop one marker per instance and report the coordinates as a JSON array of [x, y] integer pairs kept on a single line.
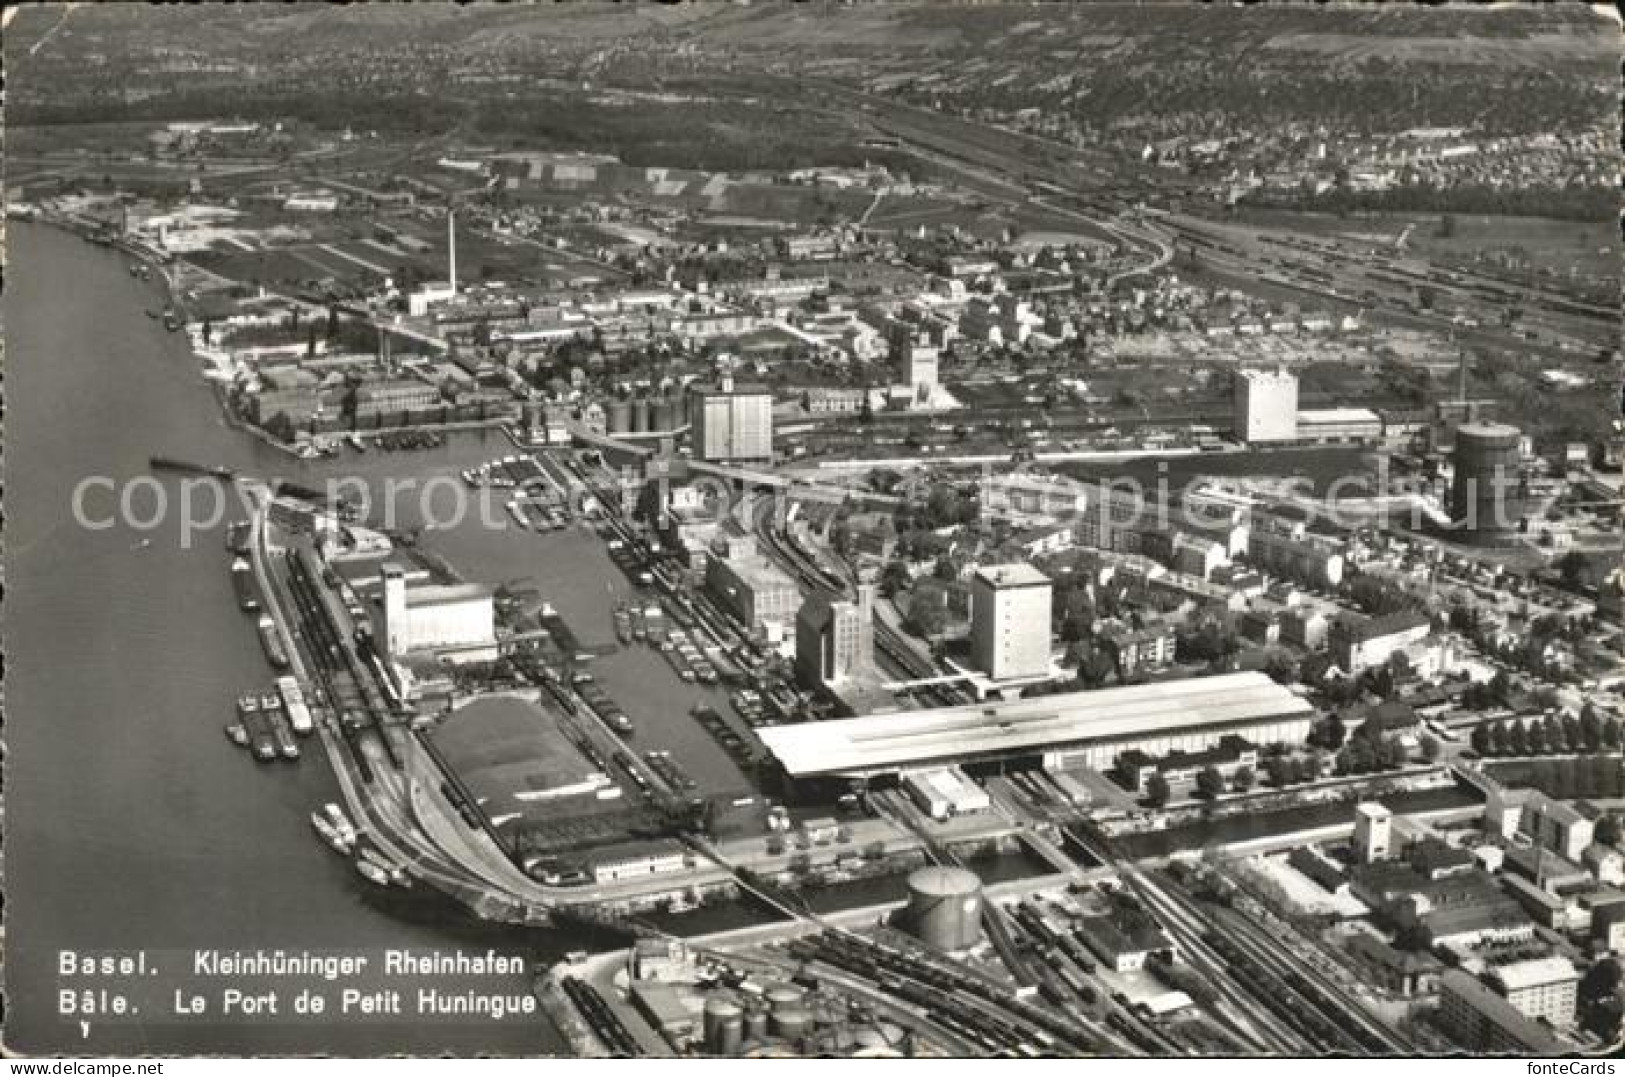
[[640, 416], [620, 416], [945, 907]]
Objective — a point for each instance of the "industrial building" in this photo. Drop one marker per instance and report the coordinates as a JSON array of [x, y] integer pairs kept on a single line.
[[1339, 426], [1010, 622], [459, 619], [1485, 503], [749, 586], [1362, 643], [732, 422], [1266, 406], [1092, 728], [1373, 833], [834, 637]]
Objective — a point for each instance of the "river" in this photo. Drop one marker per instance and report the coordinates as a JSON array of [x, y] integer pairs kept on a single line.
[[131, 823]]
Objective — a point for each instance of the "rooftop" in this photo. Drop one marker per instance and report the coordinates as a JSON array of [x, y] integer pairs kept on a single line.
[[889, 740], [447, 594], [1016, 574], [1537, 972], [1337, 415]]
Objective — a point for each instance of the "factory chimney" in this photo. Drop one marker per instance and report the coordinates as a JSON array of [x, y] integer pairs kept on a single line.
[[451, 242]]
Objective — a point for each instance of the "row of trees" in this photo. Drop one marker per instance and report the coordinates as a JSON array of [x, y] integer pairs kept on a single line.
[[1549, 735]]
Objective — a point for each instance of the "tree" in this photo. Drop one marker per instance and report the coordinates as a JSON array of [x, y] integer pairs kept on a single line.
[[894, 578], [1447, 226], [1157, 791], [1094, 664], [1571, 566], [1598, 998], [1332, 733], [1209, 782], [1280, 771], [1534, 737], [1607, 830], [1611, 733], [1483, 742], [1243, 779], [1430, 748], [1501, 737], [280, 426], [926, 616], [1590, 728]]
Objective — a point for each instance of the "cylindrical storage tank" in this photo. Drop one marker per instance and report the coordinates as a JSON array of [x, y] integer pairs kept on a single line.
[[620, 416], [756, 1025], [724, 1024], [945, 907], [730, 1036], [640, 416], [794, 1023], [662, 416], [784, 996], [1485, 501]]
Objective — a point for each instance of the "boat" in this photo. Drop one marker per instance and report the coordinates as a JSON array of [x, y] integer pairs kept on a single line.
[[169, 463], [242, 581], [621, 723], [623, 624], [271, 712], [340, 821], [294, 705], [256, 727], [372, 872], [237, 735], [338, 840], [271, 640], [356, 442]]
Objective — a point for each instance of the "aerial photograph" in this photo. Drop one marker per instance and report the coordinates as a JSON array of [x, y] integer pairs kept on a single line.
[[826, 530]]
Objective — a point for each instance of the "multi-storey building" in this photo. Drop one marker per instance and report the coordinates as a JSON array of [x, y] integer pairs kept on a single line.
[[1010, 621], [732, 422], [1542, 987], [1266, 406]]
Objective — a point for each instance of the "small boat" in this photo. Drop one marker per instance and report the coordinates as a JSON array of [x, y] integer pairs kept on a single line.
[[356, 442], [237, 735], [372, 872], [341, 822], [338, 840]]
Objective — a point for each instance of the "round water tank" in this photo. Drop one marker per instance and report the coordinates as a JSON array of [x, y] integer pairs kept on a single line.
[[756, 1025], [1486, 501], [784, 995], [945, 907], [620, 416], [793, 1022], [724, 1022], [640, 416]]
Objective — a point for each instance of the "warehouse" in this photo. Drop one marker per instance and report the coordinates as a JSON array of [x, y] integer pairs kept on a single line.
[[1088, 727]]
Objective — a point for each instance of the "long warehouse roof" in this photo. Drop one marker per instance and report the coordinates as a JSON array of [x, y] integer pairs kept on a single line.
[[905, 738]]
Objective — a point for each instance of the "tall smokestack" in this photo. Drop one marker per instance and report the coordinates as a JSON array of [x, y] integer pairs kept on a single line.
[[451, 242]]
